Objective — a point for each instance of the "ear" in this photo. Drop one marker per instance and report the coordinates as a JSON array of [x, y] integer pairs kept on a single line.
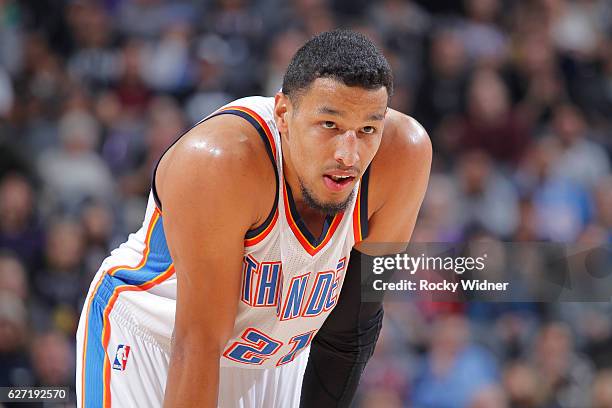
[[282, 106]]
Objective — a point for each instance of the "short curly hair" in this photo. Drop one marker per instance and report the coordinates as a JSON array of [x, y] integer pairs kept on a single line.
[[344, 55]]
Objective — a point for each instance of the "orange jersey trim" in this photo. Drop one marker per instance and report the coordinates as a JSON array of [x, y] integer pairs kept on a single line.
[[357, 218], [106, 325], [312, 250], [106, 333], [263, 234], [259, 120], [272, 144]]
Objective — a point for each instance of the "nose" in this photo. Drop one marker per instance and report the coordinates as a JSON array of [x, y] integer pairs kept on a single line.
[[346, 150]]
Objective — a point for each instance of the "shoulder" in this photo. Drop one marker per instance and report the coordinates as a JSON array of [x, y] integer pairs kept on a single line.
[[213, 146], [222, 157], [398, 180], [404, 156], [404, 135]]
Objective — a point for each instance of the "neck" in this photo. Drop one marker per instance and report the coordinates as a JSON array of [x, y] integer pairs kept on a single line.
[[314, 219], [293, 181]]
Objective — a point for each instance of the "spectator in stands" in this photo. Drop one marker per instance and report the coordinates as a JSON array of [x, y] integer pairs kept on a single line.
[[52, 359], [534, 76], [581, 161], [211, 78], [15, 369], [522, 385], [489, 397], [440, 211], [74, 171], [441, 93], [486, 197], [491, 123], [455, 369], [562, 207], [603, 197], [60, 285], [14, 277], [601, 392], [484, 40], [565, 374], [99, 228], [20, 230]]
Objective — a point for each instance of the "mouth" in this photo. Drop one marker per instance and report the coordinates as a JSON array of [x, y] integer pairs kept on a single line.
[[336, 182]]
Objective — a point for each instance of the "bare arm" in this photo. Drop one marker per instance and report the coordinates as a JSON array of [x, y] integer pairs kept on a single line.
[[203, 183], [346, 341], [399, 181]]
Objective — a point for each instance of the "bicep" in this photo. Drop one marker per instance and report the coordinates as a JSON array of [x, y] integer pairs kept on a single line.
[[205, 229]]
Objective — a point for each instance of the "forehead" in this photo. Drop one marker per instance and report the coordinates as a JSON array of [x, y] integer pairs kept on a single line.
[[328, 93]]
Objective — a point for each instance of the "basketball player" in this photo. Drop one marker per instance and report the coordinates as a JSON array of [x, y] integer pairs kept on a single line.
[[251, 241]]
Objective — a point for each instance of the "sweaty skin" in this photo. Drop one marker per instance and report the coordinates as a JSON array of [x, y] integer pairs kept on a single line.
[[217, 182], [330, 130]]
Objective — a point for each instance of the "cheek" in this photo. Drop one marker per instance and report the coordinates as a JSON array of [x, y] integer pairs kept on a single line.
[[310, 147], [370, 147], [302, 153], [317, 156]]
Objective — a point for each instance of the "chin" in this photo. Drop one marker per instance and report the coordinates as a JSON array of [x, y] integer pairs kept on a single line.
[[327, 206]]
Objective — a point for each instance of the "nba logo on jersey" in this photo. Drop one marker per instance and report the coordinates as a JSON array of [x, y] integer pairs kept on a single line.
[[121, 357]]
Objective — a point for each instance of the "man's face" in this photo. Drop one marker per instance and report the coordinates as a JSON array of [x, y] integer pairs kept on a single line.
[[330, 135]]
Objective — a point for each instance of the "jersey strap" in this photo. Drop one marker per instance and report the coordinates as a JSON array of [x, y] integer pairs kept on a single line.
[[255, 235], [360, 213]]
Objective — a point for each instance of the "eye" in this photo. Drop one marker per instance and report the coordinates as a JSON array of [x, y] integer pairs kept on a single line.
[[329, 124], [368, 130]]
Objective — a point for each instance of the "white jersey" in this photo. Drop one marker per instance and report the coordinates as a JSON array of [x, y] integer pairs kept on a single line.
[[290, 280]]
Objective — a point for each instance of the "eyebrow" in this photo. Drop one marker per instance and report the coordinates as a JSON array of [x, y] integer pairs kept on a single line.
[[326, 110], [376, 116]]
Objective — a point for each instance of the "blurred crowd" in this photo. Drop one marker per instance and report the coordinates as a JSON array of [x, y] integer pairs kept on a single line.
[[515, 94]]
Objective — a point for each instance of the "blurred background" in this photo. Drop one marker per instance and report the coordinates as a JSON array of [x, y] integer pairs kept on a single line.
[[516, 96]]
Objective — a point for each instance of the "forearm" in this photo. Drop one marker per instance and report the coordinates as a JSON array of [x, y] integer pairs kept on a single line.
[[193, 378]]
